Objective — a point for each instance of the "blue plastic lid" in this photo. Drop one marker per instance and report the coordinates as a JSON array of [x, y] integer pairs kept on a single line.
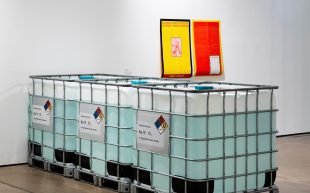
[[203, 87], [86, 77], [139, 82]]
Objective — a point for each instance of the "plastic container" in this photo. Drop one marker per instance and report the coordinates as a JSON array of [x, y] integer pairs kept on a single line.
[[215, 135], [58, 142]]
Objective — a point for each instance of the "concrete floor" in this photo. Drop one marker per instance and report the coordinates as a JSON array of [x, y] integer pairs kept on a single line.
[[293, 176]]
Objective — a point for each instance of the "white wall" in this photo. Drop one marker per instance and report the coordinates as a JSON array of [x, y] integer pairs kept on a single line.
[[264, 42]]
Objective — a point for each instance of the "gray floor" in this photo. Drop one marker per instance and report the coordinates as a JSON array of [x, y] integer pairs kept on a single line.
[[293, 176]]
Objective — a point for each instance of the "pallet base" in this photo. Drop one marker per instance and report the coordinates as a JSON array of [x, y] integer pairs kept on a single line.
[[37, 163], [67, 170], [85, 176], [108, 182], [135, 188], [121, 185]]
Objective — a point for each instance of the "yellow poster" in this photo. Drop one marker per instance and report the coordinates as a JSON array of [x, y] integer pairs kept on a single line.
[[175, 48]]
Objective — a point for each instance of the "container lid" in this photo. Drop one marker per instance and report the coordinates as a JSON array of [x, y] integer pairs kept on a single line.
[[203, 87], [139, 82], [86, 77]]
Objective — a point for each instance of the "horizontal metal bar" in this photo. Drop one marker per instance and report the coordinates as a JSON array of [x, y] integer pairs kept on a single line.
[[106, 143], [86, 102], [69, 135], [225, 157], [61, 149], [224, 137], [69, 119], [92, 74], [216, 178], [211, 159], [208, 114], [94, 81], [253, 88]]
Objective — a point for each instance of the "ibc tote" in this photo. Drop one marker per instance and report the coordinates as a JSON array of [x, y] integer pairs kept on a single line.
[[205, 137], [53, 120]]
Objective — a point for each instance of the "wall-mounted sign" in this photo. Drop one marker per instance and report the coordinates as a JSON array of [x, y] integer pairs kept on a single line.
[[207, 53], [175, 48]]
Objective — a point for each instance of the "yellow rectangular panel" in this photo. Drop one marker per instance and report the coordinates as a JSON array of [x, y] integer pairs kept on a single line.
[[175, 48]]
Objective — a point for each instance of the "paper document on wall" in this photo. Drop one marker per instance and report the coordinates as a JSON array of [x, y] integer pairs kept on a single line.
[[175, 48], [207, 53]]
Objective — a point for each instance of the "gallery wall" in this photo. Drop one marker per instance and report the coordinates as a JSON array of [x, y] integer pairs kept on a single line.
[[264, 42]]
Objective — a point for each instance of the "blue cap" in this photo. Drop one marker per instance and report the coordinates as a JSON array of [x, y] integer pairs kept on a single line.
[[139, 82], [86, 77], [203, 87]]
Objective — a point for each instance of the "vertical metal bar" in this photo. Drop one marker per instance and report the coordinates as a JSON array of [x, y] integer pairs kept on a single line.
[[235, 141], [78, 132], [105, 131], [257, 153], [33, 94], [207, 141], [247, 138], [271, 134], [42, 136], [91, 141], [138, 153], [118, 132], [54, 94], [64, 124], [152, 108], [224, 136], [186, 141]]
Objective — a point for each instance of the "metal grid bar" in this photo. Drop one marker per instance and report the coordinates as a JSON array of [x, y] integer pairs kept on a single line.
[[118, 131], [193, 90], [152, 163], [186, 141], [224, 134], [54, 141], [105, 134], [210, 115], [80, 139], [256, 127], [42, 136], [271, 135], [33, 91], [91, 141], [214, 178], [207, 137], [138, 151], [171, 126], [246, 138], [235, 141]]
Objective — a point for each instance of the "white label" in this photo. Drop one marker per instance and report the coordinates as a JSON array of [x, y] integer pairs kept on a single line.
[[89, 125], [215, 67], [153, 132], [91, 122], [42, 113], [40, 116]]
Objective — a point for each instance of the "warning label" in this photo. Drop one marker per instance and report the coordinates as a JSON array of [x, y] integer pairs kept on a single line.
[[91, 122], [153, 132], [42, 113]]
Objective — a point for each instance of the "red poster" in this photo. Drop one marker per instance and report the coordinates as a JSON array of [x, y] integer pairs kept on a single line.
[[207, 45]]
